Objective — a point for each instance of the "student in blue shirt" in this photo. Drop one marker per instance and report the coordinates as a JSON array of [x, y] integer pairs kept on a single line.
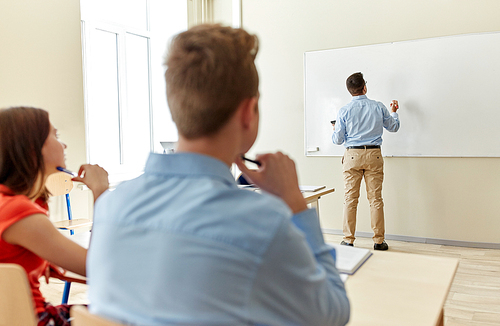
[[359, 126], [182, 244]]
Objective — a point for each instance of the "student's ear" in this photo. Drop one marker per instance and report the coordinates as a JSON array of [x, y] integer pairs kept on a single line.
[[250, 111]]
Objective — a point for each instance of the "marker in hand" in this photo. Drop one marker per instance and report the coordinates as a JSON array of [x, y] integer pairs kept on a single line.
[[249, 160], [66, 171], [394, 105]]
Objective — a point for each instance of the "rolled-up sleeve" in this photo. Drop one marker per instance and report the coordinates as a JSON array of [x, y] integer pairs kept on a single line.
[[339, 134], [391, 121]]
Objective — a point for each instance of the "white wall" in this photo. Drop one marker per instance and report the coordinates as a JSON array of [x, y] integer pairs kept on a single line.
[[41, 66], [444, 198], [223, 12]]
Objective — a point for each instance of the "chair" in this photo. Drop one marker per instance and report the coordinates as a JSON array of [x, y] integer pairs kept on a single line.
[[61, 184], [82, 317], [16, 301]]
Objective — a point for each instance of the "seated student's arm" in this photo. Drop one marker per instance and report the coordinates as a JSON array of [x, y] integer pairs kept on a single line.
[[277, 175], [37, 234], [296, 285], [297, 279]]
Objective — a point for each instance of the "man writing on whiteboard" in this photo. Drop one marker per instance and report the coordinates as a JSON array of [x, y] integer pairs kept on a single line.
[[359, 126]]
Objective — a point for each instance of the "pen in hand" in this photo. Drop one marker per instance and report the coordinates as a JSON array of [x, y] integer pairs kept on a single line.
[[249, 160], [66, 171]]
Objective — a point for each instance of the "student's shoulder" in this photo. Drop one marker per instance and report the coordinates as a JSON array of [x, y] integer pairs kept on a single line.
[[253, 219], [13, 203], [125, 187], [253, 209], [16, 207], [112, 198], [260, 202]]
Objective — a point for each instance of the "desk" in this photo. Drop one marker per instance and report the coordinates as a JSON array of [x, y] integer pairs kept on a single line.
[[312, 198], [82, 238], [394, 289]]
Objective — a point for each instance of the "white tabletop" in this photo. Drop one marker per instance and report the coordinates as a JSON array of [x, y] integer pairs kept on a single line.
[[82, 238], [397, 289]]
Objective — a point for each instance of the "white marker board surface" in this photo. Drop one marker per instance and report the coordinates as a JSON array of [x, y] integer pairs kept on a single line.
[[447, 89]]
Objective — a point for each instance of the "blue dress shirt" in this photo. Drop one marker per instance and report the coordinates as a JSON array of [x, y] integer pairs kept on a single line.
[[182, 245], [362, 122]]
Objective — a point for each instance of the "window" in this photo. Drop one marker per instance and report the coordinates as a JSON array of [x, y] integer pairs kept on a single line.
[[125, 103]]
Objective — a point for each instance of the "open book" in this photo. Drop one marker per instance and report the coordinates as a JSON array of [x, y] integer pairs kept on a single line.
[[350, 259]]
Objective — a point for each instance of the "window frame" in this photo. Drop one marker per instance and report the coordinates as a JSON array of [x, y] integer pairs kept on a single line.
[[123, 171]]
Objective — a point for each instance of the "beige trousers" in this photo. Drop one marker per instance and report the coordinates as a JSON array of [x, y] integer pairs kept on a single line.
[[367, 163]]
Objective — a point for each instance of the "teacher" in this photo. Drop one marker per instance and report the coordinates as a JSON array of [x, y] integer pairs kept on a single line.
[[359, 126]]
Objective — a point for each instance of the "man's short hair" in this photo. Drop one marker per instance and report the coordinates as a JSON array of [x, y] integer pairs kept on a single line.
[[355, 84], [210, 70]]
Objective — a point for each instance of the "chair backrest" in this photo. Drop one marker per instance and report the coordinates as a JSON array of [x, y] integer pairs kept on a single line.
[[16, 301], [82, 317], [59, 183]]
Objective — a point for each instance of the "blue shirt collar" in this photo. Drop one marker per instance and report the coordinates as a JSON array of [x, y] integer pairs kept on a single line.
[[191, 164], [359, 97]]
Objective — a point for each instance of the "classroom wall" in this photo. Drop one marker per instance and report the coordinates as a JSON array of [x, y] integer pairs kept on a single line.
[[444, 198], [441, 198], [41, 66], [223, 11]]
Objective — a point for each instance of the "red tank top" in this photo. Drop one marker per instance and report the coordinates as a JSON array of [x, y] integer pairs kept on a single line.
[[14, 208]]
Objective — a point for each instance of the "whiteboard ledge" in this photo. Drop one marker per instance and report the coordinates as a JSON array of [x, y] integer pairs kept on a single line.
[[410, 155]]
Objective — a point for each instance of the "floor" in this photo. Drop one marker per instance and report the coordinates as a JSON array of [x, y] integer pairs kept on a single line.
[[474, 298], [53, 292]]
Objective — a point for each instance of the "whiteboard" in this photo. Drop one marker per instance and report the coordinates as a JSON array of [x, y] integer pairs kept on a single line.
[[447, 89]]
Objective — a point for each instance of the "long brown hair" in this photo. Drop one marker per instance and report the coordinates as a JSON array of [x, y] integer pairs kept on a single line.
[[23, 131]]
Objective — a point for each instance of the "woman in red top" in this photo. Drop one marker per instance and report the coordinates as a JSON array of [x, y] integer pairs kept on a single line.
[[29, 152]]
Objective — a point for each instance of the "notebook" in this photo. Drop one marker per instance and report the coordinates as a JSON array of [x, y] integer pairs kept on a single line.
[[311, 188], [350, 259]]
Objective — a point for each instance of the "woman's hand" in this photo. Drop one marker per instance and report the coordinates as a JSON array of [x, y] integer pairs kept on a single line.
[[95, 177], [54, 271]]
